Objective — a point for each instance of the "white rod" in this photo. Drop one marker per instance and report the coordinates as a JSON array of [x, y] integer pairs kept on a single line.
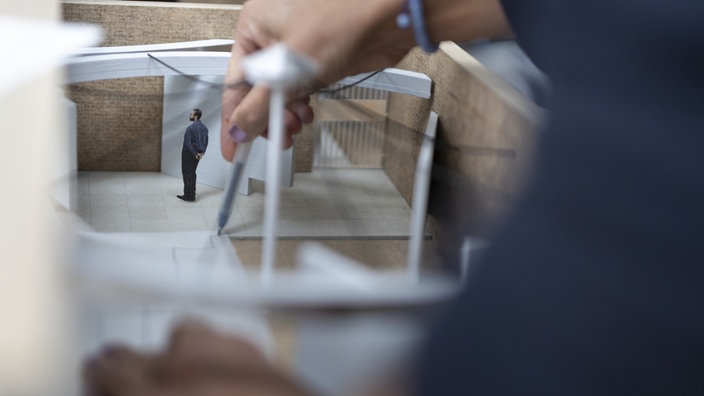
[[273, 183], [465, 253], [421, 185]]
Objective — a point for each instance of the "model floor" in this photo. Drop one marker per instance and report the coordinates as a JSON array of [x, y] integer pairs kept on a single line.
[[321, 204]]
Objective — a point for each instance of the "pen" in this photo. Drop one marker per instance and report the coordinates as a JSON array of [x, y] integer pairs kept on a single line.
[[238, 163]]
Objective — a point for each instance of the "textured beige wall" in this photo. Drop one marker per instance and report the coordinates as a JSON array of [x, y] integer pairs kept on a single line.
[[120, 121], [484, 145], [119, 124], [143, 22], [405, 126]]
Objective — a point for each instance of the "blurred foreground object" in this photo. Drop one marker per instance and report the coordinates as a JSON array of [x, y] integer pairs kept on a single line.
[[32, 308]]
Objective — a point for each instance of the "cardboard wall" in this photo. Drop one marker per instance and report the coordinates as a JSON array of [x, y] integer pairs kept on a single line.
[[484, 148]]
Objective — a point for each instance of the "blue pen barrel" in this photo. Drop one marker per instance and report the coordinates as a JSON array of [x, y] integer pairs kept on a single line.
[[238, 164]]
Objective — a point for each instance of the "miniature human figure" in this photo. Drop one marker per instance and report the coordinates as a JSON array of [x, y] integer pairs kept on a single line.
[[195, 142], [593, 284]]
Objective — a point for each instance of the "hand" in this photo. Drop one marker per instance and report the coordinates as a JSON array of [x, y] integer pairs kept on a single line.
[[198, 362], [343, 36]]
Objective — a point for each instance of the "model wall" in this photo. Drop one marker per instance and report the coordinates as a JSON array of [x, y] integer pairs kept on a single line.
[[484, 147]]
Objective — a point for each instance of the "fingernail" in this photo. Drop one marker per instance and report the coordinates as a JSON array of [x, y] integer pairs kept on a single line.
[[237, 134]]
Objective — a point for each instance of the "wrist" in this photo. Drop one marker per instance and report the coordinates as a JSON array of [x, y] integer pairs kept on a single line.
[[369, 32], [383, 33], [413, 17], [465, 21], [385, 24]]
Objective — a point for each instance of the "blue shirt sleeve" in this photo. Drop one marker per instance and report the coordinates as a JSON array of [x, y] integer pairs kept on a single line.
[[188, 139], [200, 141]]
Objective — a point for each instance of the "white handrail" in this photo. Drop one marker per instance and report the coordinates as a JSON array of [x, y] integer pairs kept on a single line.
[[133, 63], [183, 45], [140, 64]]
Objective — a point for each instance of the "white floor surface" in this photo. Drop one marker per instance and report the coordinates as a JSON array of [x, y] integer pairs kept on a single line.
[[321, 204]]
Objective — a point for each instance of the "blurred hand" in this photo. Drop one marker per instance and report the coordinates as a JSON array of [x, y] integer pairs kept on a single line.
[[198, 362], [344, 36]]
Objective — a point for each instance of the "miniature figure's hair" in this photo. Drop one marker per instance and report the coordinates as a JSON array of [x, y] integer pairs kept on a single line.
[[197, 113]]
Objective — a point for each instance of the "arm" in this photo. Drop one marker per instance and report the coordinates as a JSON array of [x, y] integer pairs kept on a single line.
[[201, 152], [188, 139], [201, 141], [450, 20], [365, 38]]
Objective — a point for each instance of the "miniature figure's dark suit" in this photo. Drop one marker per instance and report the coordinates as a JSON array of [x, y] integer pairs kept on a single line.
[[195, 141]]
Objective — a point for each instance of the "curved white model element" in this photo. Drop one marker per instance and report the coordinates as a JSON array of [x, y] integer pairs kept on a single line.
[[200, 63], [141, 64], [180, 46]]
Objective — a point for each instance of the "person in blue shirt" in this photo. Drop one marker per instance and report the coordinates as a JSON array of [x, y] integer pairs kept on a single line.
[[195, 142]]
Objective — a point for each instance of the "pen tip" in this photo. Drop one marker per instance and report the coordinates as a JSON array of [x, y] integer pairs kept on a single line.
[[219, 231]]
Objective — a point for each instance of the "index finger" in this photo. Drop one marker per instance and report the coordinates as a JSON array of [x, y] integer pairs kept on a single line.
[[244, 107], [234, 90]]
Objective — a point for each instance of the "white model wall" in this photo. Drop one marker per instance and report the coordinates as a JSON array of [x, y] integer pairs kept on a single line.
[[181, 95]]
